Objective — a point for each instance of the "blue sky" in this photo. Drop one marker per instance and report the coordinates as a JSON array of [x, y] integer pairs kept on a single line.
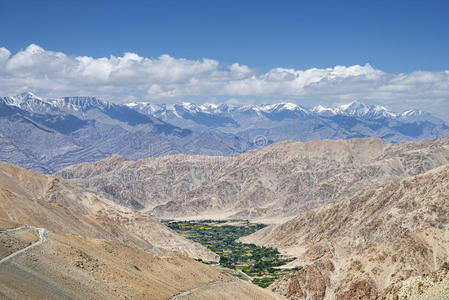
[[394, 36], [394, 53]]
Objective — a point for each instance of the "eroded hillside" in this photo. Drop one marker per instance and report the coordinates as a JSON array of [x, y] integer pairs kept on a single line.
[[59, 241], [60, 206], [73, 267], [359, 246], [282, 179]]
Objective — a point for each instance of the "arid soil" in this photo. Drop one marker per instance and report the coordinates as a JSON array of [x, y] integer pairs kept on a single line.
[[13, 241], [430, 286]]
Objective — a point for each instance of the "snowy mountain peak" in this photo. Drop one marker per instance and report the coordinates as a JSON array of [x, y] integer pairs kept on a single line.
[[410, 113], [190, 107], [323, 111], [352, 106], [28, 101], [281, 107], [19, 99], [290, 106], [26, 96], [419, 116], [134, 104], [216, 108], [79, 103], [355, 109], [85, 102], [359, 109], [146, 106]]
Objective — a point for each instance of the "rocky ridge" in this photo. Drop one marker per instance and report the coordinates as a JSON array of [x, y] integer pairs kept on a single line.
[[279, 180]]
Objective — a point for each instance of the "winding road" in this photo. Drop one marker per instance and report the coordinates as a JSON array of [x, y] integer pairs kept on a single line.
[[42, 239], [209, 285]]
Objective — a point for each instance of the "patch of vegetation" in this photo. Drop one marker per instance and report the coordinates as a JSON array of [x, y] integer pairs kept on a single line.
[[264, 281], [259, 263]]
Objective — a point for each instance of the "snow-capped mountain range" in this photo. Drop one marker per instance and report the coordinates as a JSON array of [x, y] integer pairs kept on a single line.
[[355, 108], [33, 103], [48, 134], [278, 111]]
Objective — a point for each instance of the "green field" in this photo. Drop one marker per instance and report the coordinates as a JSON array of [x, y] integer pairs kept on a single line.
[[259, 263]]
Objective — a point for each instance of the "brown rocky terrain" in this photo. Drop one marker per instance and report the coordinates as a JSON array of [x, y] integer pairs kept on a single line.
[[60, 206], [87, 247], [357, 247], [16, 240], [430, 286], [73, 267], [282, 179]]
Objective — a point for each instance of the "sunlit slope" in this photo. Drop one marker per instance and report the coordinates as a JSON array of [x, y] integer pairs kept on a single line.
[[361, 245], [60, 206]]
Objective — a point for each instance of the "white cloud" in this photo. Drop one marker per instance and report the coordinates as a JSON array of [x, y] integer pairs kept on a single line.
[[4, 55], [172, 79]]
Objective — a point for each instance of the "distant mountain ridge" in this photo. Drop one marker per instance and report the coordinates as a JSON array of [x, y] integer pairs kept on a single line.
[[287, 109], [289, 121], [47, 135], [277, 111]]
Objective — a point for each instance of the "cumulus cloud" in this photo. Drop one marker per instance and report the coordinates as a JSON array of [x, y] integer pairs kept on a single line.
[[169, 79], [4, 55]]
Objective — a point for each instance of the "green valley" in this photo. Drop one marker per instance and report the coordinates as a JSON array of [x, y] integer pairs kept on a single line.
[[259, 263]]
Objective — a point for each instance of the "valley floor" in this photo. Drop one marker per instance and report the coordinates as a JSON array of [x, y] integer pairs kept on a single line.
[[261, 265]]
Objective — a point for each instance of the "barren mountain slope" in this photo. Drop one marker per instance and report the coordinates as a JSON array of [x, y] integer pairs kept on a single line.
[[430, 286], [282, 179], [359, 246], [72, 267], [60, 206]]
